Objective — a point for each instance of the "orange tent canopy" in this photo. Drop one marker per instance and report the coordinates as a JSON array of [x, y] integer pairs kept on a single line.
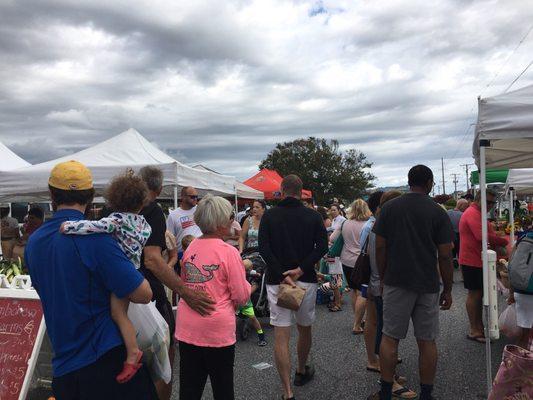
[[268, 181]]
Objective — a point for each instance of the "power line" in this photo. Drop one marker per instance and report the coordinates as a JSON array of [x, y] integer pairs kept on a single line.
[[519, 76], [508, 58], [470, 121]]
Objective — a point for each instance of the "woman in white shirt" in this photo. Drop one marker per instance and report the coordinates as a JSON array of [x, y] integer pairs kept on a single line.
[[351, 232], [336, 217]]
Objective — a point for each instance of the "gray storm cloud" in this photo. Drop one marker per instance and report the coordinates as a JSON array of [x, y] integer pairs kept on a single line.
[[220, 83]]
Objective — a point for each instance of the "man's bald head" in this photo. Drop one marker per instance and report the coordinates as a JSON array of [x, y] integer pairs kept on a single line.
[[189, 197], [462, 205]]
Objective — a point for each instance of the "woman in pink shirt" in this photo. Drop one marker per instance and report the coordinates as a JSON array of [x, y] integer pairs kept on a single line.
[[207, 343], [471, 264]]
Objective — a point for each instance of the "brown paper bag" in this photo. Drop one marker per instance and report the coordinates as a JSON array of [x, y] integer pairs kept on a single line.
[[290, 297]]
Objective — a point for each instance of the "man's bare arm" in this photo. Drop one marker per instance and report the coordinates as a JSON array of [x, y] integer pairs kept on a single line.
[[381, 255]]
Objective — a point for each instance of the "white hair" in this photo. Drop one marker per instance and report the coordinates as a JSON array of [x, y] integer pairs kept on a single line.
[[212, 212]]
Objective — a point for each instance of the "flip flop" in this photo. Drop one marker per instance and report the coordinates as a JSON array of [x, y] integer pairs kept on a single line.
[[479, 338], [354, 332], [404, 393], [373, 369], [129, 370], [335, 309]]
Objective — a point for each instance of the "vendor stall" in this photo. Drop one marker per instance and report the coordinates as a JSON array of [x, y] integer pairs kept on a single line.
[[109, 158], [519, 183], [504, 139]]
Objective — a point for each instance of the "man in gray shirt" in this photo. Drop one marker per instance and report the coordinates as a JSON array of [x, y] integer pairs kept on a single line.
[[455, 217]]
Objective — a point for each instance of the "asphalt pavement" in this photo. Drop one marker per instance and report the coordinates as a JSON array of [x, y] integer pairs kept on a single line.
[[340, 360]]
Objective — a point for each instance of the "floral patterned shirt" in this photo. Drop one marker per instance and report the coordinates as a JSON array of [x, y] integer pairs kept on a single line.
[[131, 231]]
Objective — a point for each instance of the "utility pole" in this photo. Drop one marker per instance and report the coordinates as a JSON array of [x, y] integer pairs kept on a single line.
[[455, 185], [443, 182], [467, 175]]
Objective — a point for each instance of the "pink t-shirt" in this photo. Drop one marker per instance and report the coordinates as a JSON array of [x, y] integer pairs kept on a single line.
[[216, 268]]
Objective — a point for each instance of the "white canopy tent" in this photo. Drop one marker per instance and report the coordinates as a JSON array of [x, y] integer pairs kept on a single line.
[[504, 139], [109, 158], [520, 180], [9, 160], [243, 191]]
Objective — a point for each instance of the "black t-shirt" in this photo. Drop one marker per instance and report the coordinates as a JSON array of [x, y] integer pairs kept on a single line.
[[413, 226], [156, 219]]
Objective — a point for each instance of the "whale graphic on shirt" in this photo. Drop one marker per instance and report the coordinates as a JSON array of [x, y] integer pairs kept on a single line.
[[193, 274]]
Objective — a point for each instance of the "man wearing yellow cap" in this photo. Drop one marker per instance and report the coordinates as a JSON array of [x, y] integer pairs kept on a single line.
[[74, 276]]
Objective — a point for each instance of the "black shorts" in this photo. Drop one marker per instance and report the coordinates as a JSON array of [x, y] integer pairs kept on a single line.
[[98, 381], [473, 277], [347, 273]]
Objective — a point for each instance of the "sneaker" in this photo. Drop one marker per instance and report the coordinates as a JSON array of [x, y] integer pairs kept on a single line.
[[302, 379], [262, 343]]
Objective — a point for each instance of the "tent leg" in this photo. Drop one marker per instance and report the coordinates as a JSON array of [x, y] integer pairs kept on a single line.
[[484, 256], [175, 197], [511, 215], [236, 204]]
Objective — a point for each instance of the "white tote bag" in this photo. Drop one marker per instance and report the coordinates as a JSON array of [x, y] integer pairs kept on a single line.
[[153, 338]]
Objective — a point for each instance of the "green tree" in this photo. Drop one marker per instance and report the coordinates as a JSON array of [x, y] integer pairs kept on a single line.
[[323, 168]]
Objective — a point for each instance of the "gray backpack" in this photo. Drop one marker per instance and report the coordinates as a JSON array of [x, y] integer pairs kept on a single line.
[[521, 267]]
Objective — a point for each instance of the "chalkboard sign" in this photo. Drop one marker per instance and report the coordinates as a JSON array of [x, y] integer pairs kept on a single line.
[[21, 332]]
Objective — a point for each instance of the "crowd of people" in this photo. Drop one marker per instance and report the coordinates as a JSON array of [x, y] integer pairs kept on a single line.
[[88, 272]]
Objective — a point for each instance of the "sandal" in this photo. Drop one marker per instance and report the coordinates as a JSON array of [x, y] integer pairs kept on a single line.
[[357, 332], [477, 338], [404, 393], [129, 370], [400, 380], [335, 309], [371, 369]]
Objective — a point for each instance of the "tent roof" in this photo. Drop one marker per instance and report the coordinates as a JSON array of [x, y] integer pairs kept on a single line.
[[506, 121], [493, 176], [269, 181], [243, 191], [9, 160], [109, 158], [521, 180]]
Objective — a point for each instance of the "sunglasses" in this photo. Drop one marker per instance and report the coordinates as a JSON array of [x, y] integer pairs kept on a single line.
[[192, 196]]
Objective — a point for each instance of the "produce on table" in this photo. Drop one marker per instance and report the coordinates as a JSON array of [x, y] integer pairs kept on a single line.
[[12, 268]]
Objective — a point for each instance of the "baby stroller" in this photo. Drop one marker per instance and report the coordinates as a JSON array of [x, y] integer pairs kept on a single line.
[[259, 299]]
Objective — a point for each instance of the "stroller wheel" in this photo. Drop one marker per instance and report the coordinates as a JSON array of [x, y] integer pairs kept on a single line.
[[243, 328]]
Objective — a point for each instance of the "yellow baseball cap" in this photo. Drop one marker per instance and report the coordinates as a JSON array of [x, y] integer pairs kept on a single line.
[[71, 175]]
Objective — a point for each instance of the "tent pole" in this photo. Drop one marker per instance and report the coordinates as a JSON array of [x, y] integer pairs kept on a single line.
[[484, 255], [236, 203], [176, 197], [511, 215]]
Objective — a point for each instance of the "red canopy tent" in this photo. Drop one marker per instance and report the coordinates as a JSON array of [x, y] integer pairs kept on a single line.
[[268, 181]]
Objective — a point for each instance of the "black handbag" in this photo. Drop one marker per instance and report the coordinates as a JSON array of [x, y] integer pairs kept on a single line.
[[361, 271]]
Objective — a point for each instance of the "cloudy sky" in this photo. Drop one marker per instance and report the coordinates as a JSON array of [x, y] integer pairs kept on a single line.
[[221, 82]]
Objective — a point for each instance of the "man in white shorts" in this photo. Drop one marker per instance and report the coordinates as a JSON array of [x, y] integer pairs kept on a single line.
[[292, 239]]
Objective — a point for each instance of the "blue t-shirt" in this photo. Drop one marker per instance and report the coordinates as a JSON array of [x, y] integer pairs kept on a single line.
[[75, 276]]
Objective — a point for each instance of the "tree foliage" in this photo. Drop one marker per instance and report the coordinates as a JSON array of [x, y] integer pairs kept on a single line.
[[323, 168]]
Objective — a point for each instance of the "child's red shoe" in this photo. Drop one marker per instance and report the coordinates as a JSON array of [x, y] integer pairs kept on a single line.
[[130, 370]]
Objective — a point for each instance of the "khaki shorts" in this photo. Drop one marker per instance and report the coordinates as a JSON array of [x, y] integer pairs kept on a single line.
[[284, 317], [401, 305]]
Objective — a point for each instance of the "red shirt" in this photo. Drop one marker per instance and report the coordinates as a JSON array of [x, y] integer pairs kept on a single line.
[[470, 234]]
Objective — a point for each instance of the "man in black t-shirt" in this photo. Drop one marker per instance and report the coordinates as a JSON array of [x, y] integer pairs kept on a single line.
[[414, 239], [156, 271]]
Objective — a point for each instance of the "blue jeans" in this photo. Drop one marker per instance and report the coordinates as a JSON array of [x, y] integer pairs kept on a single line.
[[378, 301]]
